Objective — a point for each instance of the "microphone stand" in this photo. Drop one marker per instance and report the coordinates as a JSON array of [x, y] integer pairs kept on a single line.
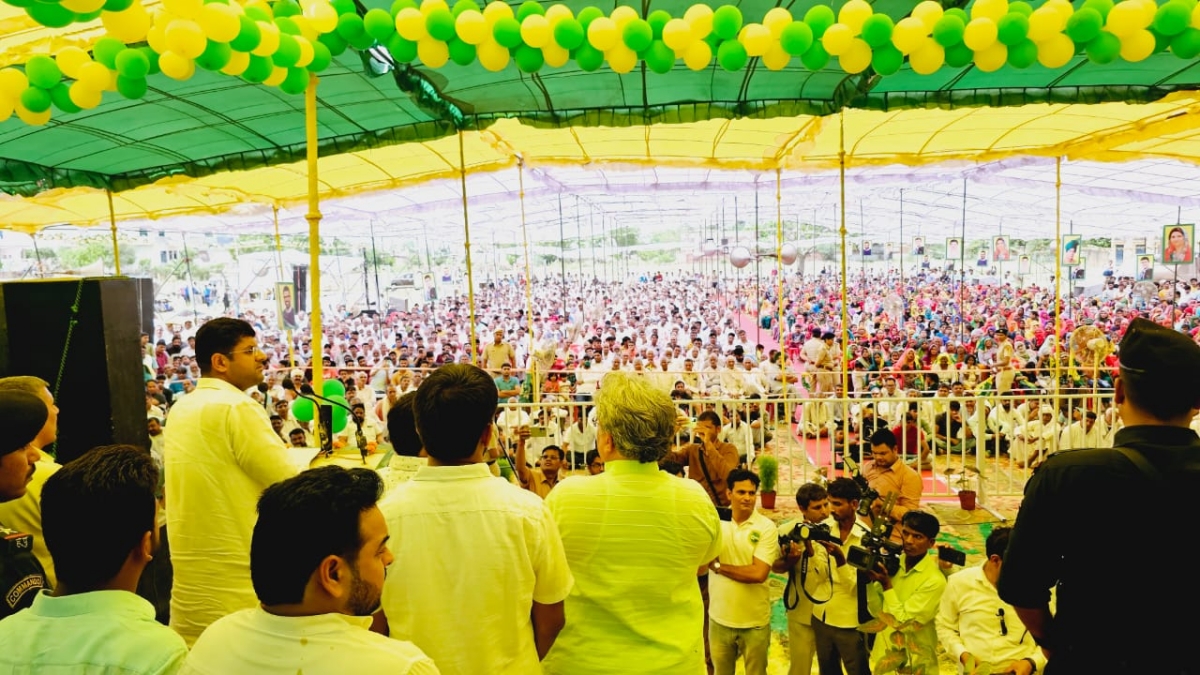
[[323, 418], [359, 438]]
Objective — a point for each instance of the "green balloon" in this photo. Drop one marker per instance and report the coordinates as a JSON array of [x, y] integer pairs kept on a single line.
[[877, 30], [335, 43], [529, 8], [1023, 54], [657, 20], [105, 51], [816, 58], [403, 51], [1186, 45], [133, 64], [36, 100], [1084, 25], [258, 70], [350, 27], [886, 60], [378, 24], [287, 26], [959, 55], [440, 25], [960, 13], [638, 35], [321, 58], [507, 32], [295, 82], [726, 22], [42, 72], [1012, 29], [589, 58], [259, 14], [732, 55], [1104, 49], [461, 53], [397, 6], [1161, 42], [347, 6], [303, 409], [131, 87], [216, 56], [1172, 18], [1020, 7], [89, 16], [529, 60], [333, 387], [458, 8], [1101, 7], [948, 30], [151, 58], [587, 15], [660, 58], [362, 42], [284, 8], [60, 95], [22, 4], [288, 53], [50, 15], [796, 38], [117, 5], [819, 18], [248, 35], [569, 34], [340, 416]]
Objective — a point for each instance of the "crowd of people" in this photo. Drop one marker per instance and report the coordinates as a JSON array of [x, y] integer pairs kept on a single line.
[[654, 558]]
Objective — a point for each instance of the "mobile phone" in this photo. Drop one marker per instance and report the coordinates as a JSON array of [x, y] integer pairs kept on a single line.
[[537, 431], [952, 556]]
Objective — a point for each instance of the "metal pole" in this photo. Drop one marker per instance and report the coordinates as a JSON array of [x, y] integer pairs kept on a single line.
[[187, 261], [366, 280], [757, 272], [112, 219], [901, 242], [845, 332], [962, 270], [578, 253], [375, 254], [592, 237], [562, 262], [862, 234], [462, 164]]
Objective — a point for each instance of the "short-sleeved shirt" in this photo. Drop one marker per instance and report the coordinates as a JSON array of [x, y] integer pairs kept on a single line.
[[496, 355], [21, 575], [899, 478], [734, 604]]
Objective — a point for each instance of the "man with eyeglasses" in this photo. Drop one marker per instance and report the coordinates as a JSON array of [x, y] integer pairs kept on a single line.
[[221, 453], [977, 628]]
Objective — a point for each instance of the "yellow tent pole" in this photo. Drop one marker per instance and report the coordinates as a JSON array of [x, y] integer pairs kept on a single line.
[[528, 282], [314, 234], [1057, 281], [462, 164], [779, 265], [845, 332], [279, 277], [112, 220]]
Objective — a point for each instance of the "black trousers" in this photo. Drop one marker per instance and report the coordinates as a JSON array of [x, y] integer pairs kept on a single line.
[[838, 646]]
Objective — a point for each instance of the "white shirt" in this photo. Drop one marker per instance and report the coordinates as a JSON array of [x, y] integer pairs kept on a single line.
[[968, 620], [581, 440], [473, 554], [1074, 437], [734, 604], [841, 611], [253, 641], [221, 453]]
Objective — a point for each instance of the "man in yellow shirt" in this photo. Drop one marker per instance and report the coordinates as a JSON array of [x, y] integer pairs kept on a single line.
[[25, 514]]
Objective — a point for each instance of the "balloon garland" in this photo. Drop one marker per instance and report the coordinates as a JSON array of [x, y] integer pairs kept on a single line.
[[279, 43]]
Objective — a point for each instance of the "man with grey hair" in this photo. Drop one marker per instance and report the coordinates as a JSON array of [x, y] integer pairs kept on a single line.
[[613, 525]]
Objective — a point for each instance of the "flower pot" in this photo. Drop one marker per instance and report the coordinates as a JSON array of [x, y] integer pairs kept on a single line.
[[966, 499], [768, 501]]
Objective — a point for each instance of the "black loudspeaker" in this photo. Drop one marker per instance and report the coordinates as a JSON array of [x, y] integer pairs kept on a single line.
[[300, 278], [145, 304], [102, 395]]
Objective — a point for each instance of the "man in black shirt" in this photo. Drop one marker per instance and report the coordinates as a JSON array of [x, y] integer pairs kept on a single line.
[[1125, 603], [22, 416]]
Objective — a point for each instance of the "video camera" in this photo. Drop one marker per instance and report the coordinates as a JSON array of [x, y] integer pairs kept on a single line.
[[869, 494], [877, 545], [802, 532]]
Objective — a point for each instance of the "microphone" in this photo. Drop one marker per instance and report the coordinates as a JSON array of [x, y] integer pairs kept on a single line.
[[262, 388], [324, 425], [359, 438]]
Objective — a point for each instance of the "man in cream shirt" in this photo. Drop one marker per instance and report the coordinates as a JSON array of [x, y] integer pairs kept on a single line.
[[221, 453]]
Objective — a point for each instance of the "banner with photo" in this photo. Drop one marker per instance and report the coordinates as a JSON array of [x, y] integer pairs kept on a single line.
[[1024, 265], [285, 305], [954, 248], [1145, 268], [1072, 254], [982, 259], [1000, 252], [918, 245], [866, 247], [1178, 242]]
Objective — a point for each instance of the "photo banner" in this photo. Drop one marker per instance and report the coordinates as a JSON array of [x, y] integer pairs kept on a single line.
[[1178, 242], [1000, 252], [1071, 253], [953, 248], [918, 245], [285, 305], [1024, 265]]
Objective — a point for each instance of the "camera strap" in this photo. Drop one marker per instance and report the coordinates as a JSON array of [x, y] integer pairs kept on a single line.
[[791, 596], [707, 478]]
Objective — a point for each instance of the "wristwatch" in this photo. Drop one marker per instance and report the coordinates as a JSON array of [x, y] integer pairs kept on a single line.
[[715, 566]]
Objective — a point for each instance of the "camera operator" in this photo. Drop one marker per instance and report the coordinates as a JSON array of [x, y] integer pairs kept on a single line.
[[1110, 621], [913, 593], [708, 460], [813, 501], [888, 474], [835, 623], [739, 612]]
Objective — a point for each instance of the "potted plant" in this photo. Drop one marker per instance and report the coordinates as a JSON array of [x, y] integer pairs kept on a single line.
[[965, 483], [768, 474]]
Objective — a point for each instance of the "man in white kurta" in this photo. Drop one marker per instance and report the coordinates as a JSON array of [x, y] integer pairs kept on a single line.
[[1084, 433]]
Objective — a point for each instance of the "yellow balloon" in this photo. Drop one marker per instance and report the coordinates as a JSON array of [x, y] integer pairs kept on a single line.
[[853, 14], [991, 59], [756, 38], [6, 107], [220, 22], [278, 75], [837, 39], [306, 51], [776, 57], [989, 9], [186, 38], [307, 31], [495, 11], [927, 58], [699, 17], [698, 56], [156, 37], [322, 16], [1043, 23], [428, 6], [1056, 51], [82, 6], [95, 76], [269, 41], [1138, 46], [31, 118], [1149, 10], [623, 15], [1064, 8], [621, 59], [84, 96], [1196, 17], [471, 27], [776, 19], [176, 66], [13, 82], [602, 34], [410, 24], [491, 55], [433, 53], [536, 31], [857, 56], [1124, 18], [261, 4], [556, 57], [238, 62], [556, 13], [980, 34], [186, 9], [677, 34], [70, 60], [928, 12], [128, 26], [909, 34]]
